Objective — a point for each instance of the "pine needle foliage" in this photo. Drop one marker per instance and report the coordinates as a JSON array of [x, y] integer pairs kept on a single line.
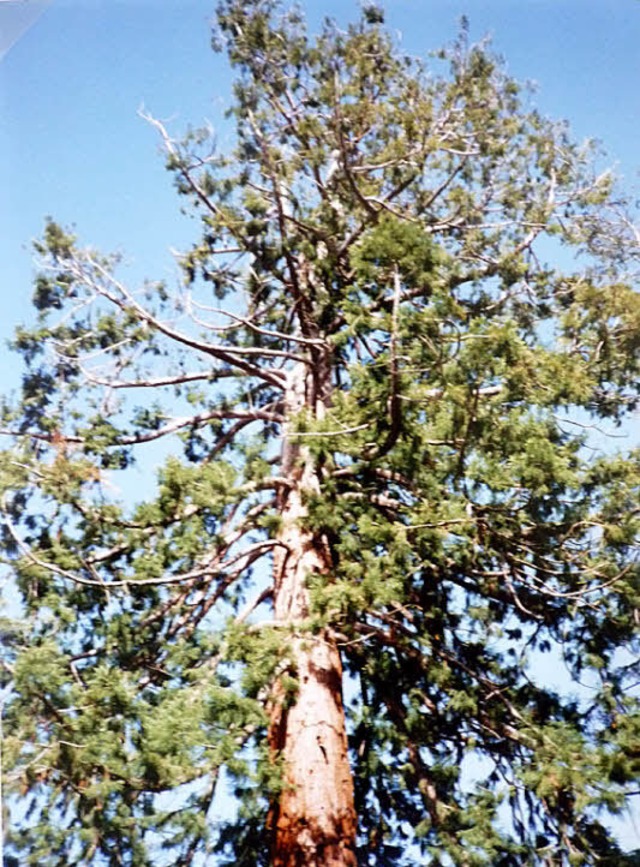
[[453, 281]]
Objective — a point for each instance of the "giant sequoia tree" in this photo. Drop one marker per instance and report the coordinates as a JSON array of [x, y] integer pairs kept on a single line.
[[380, 502]]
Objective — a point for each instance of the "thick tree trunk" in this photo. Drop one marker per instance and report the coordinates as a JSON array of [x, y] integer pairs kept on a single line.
[[313, 822]]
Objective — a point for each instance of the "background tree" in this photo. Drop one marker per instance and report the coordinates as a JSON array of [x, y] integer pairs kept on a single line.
[[377, 388]]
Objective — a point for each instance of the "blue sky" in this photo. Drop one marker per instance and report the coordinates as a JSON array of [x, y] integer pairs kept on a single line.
[[73, 146]]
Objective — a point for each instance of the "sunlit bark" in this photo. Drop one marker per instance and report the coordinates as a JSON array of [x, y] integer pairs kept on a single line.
[[313, 821]]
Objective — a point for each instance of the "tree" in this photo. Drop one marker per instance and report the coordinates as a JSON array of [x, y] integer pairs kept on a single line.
[[410, 306]]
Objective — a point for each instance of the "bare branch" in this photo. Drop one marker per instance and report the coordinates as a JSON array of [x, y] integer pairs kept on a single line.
[[247, 417], [209, 571], [128, 304]]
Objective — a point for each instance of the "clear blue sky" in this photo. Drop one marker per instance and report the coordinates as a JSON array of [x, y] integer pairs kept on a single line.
[[72, 145]]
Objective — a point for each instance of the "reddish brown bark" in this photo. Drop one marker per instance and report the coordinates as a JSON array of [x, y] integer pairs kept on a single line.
[[313, 822]]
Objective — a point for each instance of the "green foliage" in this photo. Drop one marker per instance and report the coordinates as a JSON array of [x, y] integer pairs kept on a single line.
[[408, 240]]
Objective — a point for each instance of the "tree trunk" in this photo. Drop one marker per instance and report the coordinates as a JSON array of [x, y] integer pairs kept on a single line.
[[313, 821]]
